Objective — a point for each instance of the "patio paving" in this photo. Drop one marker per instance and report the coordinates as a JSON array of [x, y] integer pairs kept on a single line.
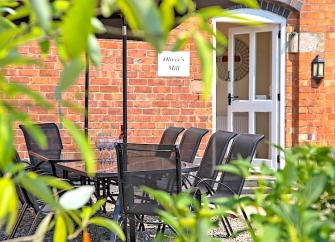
[[102, 234]]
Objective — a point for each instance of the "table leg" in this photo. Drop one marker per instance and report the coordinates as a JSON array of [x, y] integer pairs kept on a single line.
[[97, 188], [65, 174]]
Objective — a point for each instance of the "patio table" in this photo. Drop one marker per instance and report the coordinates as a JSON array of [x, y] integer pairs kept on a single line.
[[72, 162]]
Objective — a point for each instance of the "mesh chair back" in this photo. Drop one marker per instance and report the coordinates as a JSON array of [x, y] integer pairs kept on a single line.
[[214, 154], [244, 145], [144, 168], [170, 135], [54, 143], [190, 143]]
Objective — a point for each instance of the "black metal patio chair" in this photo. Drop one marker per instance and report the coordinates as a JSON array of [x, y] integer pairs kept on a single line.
[[214, 155], [143, 168], [170, 135], [244, 146], [190, 142], [52, 151], [27, 200]]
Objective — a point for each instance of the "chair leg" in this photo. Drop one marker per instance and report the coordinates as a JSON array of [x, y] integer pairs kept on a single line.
[[18, 221], [225, 227], [229, 226], [141, 226], [124, 227], [34, 224], [247, 219], [132, 228], [163, 228]]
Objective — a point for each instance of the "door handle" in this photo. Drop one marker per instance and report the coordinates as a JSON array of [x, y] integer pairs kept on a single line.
[[231, 98]]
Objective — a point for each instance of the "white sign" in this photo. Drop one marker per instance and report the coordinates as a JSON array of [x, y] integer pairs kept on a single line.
[[174, 63]]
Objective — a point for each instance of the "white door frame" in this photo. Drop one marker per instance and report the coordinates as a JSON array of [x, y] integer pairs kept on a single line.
[[265, 17]]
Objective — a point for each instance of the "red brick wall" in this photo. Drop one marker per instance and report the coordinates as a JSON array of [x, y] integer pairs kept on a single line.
[[292, 68], [311, 108], [154, 103]]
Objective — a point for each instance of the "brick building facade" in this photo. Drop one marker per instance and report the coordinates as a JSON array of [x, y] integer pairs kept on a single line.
[[158, 102]]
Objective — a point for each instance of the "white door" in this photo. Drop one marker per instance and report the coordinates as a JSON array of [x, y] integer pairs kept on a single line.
[[253, 87]]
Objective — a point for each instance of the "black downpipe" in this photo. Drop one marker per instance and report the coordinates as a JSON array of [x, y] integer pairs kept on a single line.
[[87, 82]]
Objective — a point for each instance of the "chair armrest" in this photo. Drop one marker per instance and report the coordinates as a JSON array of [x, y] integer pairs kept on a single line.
[[194, 176], [186, 180], [210, 189], [185, 177], [25, 162]]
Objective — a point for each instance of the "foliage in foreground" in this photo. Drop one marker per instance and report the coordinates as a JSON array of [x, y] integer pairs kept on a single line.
[[299, 206], [71, 26]]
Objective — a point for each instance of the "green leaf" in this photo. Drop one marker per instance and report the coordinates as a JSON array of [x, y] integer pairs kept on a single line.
[[69, 223], [7, 10], [97, 206], [20, 12], [43, 228], [167, 13], [56, 182], [30, 34], [144, 16], [270, 233], [247, 3], [83, 145], [60, 6], [9, 35], [181, 41], [202, 230], [5, 24], [36, 133], [238, 167], [204, 52], [313, 189], [44, 46], [70, 73], [94, 50], [76, 198], [108, 7], [98, 26], [109, 224], [77, 27], [183, 5], [162, 197], [14, 58], [9, 203], [60, 229], [43, 12], [12, 89], [215, 11], [221, 40], [171, 220], [32, 183]]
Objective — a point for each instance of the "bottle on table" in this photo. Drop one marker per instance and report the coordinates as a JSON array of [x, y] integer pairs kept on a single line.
[[121, 134]]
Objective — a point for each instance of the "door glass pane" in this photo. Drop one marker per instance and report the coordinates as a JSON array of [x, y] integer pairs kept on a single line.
[[263, 65], [241, 122], [241, 66], [262, 123]]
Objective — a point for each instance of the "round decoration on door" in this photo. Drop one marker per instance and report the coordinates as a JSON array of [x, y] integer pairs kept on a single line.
[[241, 62]]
